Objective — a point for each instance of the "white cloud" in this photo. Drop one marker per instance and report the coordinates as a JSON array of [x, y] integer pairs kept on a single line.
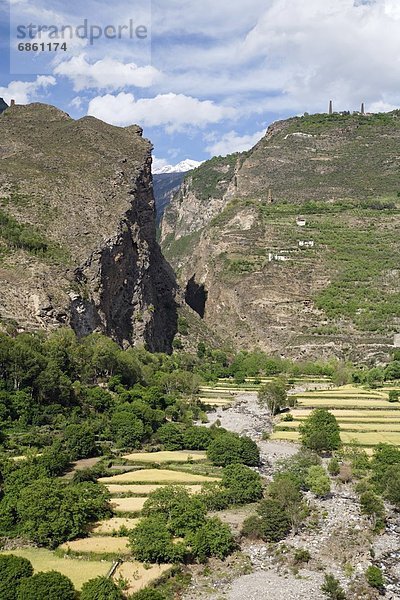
[[175, 112], [298, 54], [233, 142], [26, 91], [159, 163], [106, 73]]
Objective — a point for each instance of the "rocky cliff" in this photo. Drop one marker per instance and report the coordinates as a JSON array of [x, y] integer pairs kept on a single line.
[[327, 283], [77, 229]]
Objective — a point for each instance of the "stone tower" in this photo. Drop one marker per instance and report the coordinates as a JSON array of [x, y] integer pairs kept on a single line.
[[330, 107]]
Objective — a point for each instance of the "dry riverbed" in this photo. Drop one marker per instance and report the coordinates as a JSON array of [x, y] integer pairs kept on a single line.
[[339, 542]]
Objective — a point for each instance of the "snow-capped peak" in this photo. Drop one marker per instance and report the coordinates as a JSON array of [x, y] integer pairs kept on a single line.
[[182, 167]]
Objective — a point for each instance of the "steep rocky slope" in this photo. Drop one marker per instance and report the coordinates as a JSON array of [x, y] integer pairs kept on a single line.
[[77, 229], [327, 283], [165, 187]]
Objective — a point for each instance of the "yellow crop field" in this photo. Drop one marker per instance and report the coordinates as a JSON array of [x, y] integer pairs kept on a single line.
[[145, 490], [362, 439], [78, 570], [344, 402], [108, 526], [160, 457], [128, 504], [157, 476], [375, 414], [371, 426], [98, 545], [138, 576]]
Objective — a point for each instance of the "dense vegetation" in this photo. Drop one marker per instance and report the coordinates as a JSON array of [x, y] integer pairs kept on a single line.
[[63, 399]]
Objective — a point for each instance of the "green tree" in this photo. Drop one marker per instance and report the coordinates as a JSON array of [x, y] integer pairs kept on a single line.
[[51, 585], [274, 396], [249, 452], [151, 542], [225, 449], [214, 538], [275, 524], [101, 588], [13, 570], [49, 512], [385, 456], [242, 484], [286, 490], [127, 430], [171, 436], [320, 431], [373, 506], [81, 441], [228, 448], [318, 481], [197, 438], [181, 511]]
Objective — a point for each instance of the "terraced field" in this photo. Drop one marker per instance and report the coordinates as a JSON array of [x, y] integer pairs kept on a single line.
[[76, 569], [365, 416]]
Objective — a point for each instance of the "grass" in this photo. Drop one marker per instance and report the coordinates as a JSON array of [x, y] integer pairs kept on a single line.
[[109, 526], [156, 476], [164, 457], [139, 576], [98, 545], [78, 570], [128, 505]]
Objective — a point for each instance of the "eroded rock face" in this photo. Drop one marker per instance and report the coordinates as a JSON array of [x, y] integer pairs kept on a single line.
[[271, 277], [86, 188]]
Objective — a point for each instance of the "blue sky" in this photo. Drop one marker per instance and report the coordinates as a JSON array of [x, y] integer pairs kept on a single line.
[[212, 75]]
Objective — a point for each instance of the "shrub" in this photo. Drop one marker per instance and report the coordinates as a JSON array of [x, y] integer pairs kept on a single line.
[[302, 555], [148, 594], [275, 524], [51, 585], [332, 588], [320, 431], [214, 538], [285, 489], [288, 418], [101, 588], [394, 396], [297, 466], [242, 484], [252, 528], [13, 570], [318, 481], [392, 491], [334, 466], [375, 578]]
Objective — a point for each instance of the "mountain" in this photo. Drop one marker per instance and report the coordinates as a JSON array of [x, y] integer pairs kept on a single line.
[[77, 229], [182, 167], [167, 181], [293, 246]]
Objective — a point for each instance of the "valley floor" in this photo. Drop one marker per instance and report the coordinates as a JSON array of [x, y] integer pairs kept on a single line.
[[339, 543]]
